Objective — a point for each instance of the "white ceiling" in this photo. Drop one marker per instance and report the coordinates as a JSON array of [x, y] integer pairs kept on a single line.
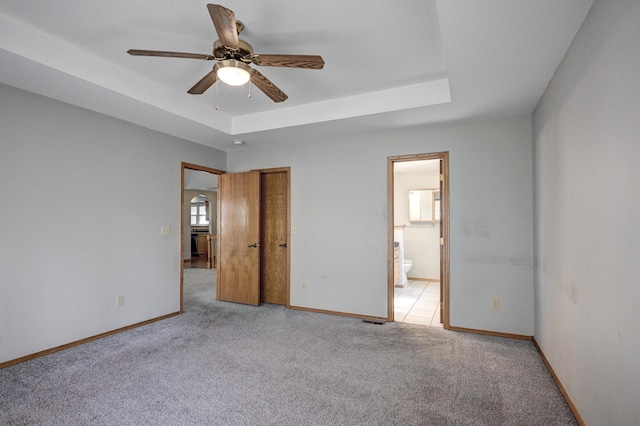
[[387, 64]]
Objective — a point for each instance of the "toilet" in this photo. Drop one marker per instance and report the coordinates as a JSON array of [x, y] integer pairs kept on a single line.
[[406, 266]]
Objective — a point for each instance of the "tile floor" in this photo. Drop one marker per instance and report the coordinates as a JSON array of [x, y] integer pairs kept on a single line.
[[418, 303]]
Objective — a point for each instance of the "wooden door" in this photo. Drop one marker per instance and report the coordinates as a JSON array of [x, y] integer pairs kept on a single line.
[[239, 238], [274, 261]]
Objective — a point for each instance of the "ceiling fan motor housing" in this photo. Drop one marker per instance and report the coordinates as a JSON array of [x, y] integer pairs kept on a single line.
[[243, 53]]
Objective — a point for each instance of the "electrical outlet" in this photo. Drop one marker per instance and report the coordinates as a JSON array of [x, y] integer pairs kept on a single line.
[[304, 285], [295, 230], [165, 230], [120, 301], [495, 303]]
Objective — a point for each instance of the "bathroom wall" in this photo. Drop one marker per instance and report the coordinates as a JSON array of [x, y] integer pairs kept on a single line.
[[421, 240]]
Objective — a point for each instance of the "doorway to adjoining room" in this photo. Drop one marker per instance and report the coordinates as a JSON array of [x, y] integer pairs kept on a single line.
[[201, 251], [199, 227]]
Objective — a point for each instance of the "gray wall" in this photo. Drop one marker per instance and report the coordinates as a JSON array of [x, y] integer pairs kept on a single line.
[[339, 206], [83, 197], [586, 134], [99, 189]]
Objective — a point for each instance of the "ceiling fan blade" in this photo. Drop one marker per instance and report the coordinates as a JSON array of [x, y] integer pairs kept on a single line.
[[136, 52], [204, 83], [293, 61], [269, 89], [225, 22]]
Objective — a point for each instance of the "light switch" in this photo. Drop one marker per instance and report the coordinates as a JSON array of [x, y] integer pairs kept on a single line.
[[165, 230]]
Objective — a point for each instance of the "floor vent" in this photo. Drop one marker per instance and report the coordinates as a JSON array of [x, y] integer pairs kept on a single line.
[[377, 322]]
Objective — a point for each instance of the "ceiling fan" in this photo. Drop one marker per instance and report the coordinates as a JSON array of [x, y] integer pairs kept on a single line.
[[233, 56]]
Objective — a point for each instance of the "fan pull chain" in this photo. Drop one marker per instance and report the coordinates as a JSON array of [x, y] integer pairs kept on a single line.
[[249, 89], [217, 106]]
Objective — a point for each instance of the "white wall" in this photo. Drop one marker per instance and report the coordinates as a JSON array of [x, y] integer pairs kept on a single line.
[[421, 240], [339, 205], [82, 200], [587, 144]]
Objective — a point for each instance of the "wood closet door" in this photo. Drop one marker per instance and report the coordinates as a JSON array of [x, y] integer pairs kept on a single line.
[[239, 238], [274, 261]]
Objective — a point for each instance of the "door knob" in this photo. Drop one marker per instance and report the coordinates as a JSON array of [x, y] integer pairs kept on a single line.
[[283, 245], [254, 245]]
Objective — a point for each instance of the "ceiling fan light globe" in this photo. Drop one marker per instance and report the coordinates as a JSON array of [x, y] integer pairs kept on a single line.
[[233, 76], [233, 73]]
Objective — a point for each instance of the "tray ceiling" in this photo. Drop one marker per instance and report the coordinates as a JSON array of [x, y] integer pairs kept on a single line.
[[387, 64]]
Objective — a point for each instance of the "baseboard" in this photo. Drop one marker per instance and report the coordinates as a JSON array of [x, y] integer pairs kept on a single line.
[[342, 314], [491, 333], [80, 342], [559, 383], [431, 280]]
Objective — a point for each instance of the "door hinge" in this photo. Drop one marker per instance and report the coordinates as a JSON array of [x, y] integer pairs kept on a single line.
[[441, 177], [441, 241]]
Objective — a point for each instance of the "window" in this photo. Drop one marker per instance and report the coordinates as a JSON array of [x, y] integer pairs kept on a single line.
[[199, 213]]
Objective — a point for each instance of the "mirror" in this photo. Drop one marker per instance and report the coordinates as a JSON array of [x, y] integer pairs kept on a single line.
[[424, 205]]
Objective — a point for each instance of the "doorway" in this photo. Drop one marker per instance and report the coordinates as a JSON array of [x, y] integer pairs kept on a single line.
[[418, 204], [200, 253], [197, 240]]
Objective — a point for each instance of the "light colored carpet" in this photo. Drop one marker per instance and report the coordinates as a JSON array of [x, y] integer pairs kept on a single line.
[[228, 364]]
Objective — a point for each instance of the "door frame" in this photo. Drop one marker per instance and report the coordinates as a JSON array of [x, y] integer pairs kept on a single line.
[[444, 231], [188, 166]]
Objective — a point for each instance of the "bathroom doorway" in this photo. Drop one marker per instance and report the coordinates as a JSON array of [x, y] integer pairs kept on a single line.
[[418, 239]]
